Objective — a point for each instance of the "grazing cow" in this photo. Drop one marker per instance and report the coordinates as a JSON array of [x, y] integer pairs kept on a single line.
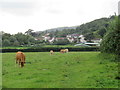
[[51, 52], [64, 50], [20, 58]]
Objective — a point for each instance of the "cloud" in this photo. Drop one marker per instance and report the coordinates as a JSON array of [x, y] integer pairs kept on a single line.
[[17, 7]]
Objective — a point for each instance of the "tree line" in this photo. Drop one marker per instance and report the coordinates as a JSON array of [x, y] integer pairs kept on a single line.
[[22, 39], [18, 39]]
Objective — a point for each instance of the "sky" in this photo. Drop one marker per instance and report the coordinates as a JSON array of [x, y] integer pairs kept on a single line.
[[38, 15]]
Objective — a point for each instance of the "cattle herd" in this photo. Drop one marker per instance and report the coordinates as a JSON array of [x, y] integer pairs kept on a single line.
[[20, 56]]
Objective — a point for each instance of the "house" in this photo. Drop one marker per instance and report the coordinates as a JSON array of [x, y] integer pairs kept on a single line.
[[76, 37], [70, 39], [73, 36], [82, 39], [46, 37], [97, 40], [52, 40]]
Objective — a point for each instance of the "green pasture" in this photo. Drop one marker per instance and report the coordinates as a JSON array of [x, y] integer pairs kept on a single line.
[[68, 70], [14, 47]]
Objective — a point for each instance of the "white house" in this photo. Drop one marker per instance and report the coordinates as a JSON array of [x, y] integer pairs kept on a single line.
[[82, 39], [73, 37], [97, 40], [46, 38], [70, 39], [52, 40]]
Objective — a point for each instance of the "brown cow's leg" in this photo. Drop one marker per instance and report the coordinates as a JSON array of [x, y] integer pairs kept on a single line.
[[19, 64], [16, 61], [22, 64]]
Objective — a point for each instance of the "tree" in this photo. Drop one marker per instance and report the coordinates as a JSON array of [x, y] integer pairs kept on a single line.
[[61, 42], [102, 32], [29, 31], [5, 36], [12, 39], [6, 42], [16, 43], [22, 38], [31, 39], [111, 41], [89, 36]]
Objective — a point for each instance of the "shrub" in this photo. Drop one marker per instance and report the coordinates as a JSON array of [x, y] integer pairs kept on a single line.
[[111, 41], [47, 49]]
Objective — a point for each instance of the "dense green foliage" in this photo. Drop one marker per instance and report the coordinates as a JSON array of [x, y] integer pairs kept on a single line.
[[61, 42], [69, 70], [47, 49], [18, 39], [111, 41], [94, 29]]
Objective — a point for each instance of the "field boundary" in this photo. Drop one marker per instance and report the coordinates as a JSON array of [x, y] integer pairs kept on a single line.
[[48, 49]]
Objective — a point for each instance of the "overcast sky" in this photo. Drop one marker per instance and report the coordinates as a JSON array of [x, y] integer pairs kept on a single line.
[[21, 15]]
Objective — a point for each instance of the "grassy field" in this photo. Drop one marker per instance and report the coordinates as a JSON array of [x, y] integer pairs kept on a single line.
[[69, 70]]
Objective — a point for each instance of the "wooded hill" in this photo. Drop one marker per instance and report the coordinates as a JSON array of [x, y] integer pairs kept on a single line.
[[91, 30]]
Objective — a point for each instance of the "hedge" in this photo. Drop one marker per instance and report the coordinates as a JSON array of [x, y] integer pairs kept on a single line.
[[47, 49]]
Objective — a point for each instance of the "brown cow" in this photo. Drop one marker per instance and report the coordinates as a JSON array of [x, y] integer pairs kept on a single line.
[[20, 58], [64, 50]]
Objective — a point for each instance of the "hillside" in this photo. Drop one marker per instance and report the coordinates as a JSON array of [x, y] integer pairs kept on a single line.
[[91, 30], [60, 29]]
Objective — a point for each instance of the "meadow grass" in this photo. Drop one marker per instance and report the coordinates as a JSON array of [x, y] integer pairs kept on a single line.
[[68, 70], [14, 47]]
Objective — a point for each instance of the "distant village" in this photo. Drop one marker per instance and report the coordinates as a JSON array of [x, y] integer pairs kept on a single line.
[[71, 38]]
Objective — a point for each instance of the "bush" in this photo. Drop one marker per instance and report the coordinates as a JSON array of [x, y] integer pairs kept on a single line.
[[47, 49], [111, 41], [61, 42]]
